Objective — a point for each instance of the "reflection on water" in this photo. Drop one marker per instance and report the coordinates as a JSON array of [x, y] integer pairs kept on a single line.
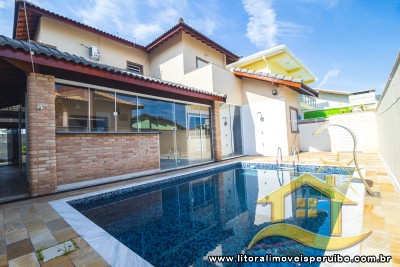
[[182, 224]]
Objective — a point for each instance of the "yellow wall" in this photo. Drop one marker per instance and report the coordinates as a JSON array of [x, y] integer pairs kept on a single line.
[[68, 38], [262, 66]]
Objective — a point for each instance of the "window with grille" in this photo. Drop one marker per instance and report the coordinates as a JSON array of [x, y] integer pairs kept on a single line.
[[137, 68]]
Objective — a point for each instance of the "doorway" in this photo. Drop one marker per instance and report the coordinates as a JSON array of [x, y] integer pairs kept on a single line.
[[13, 153]]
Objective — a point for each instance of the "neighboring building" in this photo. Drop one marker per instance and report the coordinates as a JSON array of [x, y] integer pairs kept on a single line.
[[332, 98], [98, 106]]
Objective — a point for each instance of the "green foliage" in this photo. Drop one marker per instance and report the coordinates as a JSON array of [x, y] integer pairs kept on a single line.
[[326, 112], [23, 150]]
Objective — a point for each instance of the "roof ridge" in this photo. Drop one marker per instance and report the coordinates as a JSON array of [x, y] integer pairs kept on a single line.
[[181, 25]]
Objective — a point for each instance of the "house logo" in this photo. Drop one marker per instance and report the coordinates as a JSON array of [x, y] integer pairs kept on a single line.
[[307, 207]]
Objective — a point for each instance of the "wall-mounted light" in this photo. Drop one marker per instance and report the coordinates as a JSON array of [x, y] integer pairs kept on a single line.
[[274, 92], [261, 116]]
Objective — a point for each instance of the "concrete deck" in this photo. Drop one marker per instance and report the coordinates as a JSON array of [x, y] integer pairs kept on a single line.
[[29, 225]]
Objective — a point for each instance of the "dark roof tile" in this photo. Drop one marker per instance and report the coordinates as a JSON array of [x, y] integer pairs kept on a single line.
[[51, 52]]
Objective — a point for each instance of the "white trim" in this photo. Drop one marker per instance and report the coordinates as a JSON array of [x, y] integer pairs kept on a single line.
[[391, 174], [91, 86]]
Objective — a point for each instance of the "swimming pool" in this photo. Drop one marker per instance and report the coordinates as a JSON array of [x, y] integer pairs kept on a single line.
[[181, 221]]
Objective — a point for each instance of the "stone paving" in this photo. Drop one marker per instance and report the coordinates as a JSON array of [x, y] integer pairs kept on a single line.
[[30, 225]]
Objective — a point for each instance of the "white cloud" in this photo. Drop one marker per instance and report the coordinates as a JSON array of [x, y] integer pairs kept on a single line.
[[263, 28], [329, 75], [145, 20]]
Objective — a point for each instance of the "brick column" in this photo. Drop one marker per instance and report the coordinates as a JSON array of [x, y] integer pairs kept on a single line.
[[41, 135], [216, 131]]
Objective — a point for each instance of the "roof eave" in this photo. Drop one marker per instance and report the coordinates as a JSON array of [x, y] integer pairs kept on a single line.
[[52, 62], [42, 12]]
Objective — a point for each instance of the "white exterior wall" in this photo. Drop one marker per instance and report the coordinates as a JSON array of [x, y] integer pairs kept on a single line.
[[311, 143], [337, 139], [325, 100], [166, 61], [365, 98], [291, 100], [263, 137], [216, 79], [68, 38], [388, 120]]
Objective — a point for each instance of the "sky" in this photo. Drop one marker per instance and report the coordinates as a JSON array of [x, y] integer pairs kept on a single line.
[[349, 45]]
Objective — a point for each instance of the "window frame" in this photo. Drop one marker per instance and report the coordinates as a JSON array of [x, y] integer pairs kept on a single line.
[[133, 64], [202, 60], [297, 130]]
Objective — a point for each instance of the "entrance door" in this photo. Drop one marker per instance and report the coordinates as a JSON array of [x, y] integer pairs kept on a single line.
[[13, 148]]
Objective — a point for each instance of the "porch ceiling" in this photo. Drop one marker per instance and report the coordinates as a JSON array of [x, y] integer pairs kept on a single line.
[[12, 84]]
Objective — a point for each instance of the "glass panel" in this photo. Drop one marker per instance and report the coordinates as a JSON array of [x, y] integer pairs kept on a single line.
[[194, 137], [102, 107], [127, 113], [147, 115], [157, 115], [71, 108], [205, 134], [181, 135], [226, 130], [236, 126]]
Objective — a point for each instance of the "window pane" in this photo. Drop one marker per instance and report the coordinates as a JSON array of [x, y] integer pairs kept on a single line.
[[147, 115], [181, 135], [102, 107], [206, 133], [127, 113], [194, 137], [71, 108]]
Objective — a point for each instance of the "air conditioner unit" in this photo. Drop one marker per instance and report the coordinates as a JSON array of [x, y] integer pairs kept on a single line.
[[94, 53]]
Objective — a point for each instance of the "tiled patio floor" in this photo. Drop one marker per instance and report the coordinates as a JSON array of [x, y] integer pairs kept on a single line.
[[29, 225]]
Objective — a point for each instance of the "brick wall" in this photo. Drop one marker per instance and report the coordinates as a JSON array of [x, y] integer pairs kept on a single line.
[[41, 135], [83, 157], [216, 131]]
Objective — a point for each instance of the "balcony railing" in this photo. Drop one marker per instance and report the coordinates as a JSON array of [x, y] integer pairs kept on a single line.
[[309, 100]]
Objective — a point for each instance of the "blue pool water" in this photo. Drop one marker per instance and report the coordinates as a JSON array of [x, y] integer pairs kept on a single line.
[[182, 222]]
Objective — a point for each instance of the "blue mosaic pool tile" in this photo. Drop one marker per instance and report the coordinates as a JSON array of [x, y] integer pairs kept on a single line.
[[113, 195]]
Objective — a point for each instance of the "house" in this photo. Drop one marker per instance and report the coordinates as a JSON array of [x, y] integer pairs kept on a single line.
[[273, 82], [92, 105], [333, 98]]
